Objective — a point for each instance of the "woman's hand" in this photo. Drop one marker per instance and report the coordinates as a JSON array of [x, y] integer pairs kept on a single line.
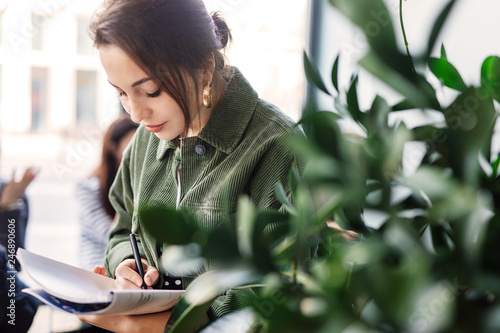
[[153, 322], [128, 278]]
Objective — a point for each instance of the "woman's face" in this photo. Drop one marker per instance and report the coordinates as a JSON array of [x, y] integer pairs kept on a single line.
[[140, 96]]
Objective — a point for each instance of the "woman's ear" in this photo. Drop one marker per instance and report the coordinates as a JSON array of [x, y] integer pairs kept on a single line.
[[209, 70]]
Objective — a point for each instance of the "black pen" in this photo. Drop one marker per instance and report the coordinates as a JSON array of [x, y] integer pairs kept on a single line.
[[138, 261]]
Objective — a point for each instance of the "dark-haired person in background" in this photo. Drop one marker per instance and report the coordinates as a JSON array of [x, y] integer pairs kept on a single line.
[[95, 215], [205, 137]]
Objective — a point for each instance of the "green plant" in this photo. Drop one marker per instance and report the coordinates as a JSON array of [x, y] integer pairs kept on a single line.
[[429, 266]]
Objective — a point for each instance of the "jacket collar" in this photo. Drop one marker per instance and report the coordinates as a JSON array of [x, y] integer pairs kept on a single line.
[[229, 118]]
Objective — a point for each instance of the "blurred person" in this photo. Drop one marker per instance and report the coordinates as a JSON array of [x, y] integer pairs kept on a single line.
[[95, 214], [14, 211]]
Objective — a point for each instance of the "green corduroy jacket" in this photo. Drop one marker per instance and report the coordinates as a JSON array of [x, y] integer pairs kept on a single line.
[[244, 149]]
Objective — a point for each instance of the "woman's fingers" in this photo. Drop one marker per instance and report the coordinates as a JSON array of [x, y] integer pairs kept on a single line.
[[101, 270], [127, 272], [151, 275], [124, 283]]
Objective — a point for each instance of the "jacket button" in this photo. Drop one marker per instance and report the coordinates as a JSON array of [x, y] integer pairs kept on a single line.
[[200, 149]]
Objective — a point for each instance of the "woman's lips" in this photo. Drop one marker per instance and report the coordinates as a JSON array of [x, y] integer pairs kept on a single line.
[[155, 128]]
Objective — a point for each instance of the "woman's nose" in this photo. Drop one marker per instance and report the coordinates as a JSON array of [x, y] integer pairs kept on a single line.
[[138, 111]]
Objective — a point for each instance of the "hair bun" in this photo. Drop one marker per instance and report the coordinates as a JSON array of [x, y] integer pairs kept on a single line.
[[222, 30]]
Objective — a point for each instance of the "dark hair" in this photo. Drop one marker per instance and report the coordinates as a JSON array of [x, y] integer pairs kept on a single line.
[[106, 171], [168, 39]]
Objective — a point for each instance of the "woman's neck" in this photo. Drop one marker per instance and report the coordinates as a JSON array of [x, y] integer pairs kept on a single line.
[[204, 114]]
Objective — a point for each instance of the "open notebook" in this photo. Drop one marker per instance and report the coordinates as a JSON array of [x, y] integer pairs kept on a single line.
[[79, 291]]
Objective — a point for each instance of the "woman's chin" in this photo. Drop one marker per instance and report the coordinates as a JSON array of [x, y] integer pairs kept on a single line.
[[166, 136]]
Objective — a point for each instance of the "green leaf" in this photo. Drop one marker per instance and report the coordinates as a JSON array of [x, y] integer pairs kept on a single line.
[[302, 222], [428, 133], [490, 76], [245, 221], [313, 75], [374, 19], [283, 198], [284, 251], [328, 208], [443, 53], [185, 316], [335, 75], [403, 105], [293, 178], [200, 294], [182, 260], [378, 115], [211, 284], [271, 227], [432, 181], [438, 25], [352, 101], [440, 240], [323, 124], [447, 74], [495, 166], [417, 90], [168, 225], [470, 119]]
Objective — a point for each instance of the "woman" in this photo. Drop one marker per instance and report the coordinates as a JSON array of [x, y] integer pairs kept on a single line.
[[96, 214], [205, 136]]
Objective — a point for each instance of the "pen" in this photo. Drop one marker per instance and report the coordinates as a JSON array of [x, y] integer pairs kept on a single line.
[[138, 261]]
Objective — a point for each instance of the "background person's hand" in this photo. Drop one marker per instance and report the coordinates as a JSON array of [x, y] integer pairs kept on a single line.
[[128, 278], [14, 190]]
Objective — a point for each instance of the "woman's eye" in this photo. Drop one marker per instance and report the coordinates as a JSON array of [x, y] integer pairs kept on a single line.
[[121, 94], [155, 94]]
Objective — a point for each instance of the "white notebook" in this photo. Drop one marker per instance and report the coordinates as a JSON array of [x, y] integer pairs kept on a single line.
[[79, 291]]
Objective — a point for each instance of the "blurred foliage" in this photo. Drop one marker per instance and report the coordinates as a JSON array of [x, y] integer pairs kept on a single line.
[[424, 201]]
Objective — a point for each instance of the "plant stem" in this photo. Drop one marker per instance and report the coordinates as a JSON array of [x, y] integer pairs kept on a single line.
[[404, 35]]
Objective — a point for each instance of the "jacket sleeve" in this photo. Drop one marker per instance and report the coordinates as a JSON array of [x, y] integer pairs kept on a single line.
[[121, 197]]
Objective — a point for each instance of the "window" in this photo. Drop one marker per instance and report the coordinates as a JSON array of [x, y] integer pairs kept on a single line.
[[39, 24], [84, 43], [39, 98], [86, 96]]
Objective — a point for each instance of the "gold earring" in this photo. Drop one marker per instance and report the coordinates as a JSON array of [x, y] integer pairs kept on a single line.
[[207, 95]]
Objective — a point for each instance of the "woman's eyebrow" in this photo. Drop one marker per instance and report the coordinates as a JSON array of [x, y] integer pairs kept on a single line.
[[141, 81], [135, 84]]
